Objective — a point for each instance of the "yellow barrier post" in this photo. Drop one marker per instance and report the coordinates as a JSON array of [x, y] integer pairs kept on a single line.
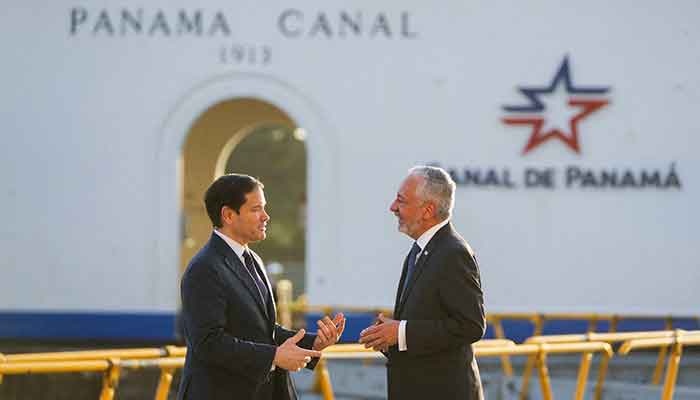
[[541, 361], [323, 379], [322, 373], [2, 360], [661, 359], [328, 310], [538, 322], [602, 371], [527, 372], [593, 323], [164, 383], [584, 368], [500, 334], [672, 372], [110, 380], [284, 301], [613, 323]]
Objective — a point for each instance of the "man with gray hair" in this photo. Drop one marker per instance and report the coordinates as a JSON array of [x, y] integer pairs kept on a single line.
[[439, 309]]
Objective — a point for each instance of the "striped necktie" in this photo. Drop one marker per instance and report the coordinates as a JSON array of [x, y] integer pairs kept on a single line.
[[253, 270]]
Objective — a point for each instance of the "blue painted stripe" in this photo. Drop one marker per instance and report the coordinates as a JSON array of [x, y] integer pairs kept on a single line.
[[518, 330], [161, 327], [87, 326]]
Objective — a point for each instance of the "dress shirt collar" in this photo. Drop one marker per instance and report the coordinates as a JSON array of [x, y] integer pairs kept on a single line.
[[235, 246], [424, 239]]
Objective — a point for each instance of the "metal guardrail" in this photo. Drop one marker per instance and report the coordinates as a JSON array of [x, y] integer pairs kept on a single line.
[[88, 355], [358, 351], [537, 347], [109, 362], [168, 359], [615, 337], [486, 349], [288, 307], [677, 342]]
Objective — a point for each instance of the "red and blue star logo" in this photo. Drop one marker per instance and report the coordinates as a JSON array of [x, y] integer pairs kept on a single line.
[[554, 111]]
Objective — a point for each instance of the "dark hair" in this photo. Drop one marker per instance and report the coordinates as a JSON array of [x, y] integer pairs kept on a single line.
[[228, 190]]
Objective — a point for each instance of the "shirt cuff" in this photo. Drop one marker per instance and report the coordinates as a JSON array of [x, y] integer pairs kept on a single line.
[[402, 336]]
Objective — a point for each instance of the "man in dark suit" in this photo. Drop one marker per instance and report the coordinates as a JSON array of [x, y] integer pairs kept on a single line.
[[439, 309], [235, 349]]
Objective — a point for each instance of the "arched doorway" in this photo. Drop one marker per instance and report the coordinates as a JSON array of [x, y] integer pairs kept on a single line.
[[250, 136], [322, 237]]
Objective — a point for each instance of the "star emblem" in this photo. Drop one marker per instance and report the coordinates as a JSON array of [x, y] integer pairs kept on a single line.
[[547, 105]]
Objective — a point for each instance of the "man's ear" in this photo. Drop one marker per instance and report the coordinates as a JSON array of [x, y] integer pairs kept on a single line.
[[429, 210], [226, 215]]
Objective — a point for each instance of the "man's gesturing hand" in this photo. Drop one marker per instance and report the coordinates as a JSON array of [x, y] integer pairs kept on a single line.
[[292, 357], [380, 336], [329, 331]]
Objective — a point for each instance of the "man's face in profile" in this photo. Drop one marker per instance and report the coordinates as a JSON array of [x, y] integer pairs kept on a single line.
[[408, 207], [250, 223]]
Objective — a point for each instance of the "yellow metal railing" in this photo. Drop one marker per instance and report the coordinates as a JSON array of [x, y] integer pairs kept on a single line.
[[676, 343], [83, 355], [170, 358], [485, 349], [538, 321], [499, 333], [358, 351], [109, 362], [536, 348], [594, 337]]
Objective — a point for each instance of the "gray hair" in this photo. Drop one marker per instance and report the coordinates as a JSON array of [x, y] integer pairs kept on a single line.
[[437, 186]]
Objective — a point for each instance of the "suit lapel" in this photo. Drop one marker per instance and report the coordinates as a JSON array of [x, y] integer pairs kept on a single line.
[[417, 271], [242, 273], [234, 264], [399, 290], [421, 265]]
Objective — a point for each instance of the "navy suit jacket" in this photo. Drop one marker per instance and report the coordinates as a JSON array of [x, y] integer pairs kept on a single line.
[[444, 309], [231, 335]]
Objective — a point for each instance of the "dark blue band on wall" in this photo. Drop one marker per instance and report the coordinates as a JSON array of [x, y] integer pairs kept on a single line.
[[87, 326], [519, 330], [161, 327]]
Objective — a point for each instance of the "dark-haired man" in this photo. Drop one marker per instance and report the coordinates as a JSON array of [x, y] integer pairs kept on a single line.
[[235, 349]]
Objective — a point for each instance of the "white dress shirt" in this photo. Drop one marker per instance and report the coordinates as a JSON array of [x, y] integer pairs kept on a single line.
[[422, 241]]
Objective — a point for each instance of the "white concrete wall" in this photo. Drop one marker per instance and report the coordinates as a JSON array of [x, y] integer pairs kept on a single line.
[[92, 123]]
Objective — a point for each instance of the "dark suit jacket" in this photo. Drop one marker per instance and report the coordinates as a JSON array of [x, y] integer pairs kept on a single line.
[[443, 307], [231, 335]]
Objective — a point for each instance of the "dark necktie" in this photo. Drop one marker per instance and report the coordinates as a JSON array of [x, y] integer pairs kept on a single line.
[[250, 266], [411, 264]]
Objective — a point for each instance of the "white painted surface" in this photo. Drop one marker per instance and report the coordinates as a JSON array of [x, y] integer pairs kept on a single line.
[[96, 228]]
